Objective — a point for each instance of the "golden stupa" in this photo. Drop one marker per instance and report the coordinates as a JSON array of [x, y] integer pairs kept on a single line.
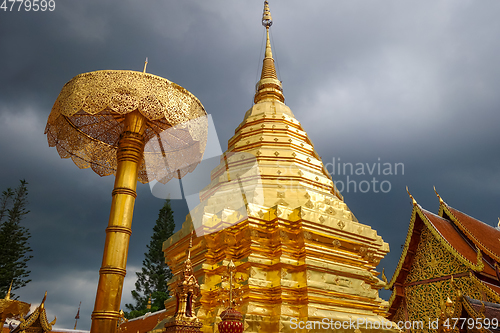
[[273, 209]]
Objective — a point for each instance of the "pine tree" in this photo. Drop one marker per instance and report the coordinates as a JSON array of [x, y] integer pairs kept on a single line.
[[152, 279], [14, 246]]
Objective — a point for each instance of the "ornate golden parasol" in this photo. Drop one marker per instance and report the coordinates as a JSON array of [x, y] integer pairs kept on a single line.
[[103, 120]]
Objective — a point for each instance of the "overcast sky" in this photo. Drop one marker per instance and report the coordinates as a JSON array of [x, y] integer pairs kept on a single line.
[[407, 82]]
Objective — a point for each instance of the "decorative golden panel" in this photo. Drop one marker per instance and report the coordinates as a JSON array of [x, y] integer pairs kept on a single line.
[[426, 301], [432, 260]]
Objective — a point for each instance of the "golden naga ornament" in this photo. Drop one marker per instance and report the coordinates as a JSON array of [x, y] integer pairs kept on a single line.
[[137, 126]]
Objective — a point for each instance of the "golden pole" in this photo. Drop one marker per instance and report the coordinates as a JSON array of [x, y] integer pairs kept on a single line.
[[112, 273]]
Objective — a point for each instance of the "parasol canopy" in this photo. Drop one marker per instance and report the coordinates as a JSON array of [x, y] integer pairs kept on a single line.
[[86, 123]]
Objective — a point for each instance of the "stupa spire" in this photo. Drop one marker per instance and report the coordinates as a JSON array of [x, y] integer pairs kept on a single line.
[[268, 87]]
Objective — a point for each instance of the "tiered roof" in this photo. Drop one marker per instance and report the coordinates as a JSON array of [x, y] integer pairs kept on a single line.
[[476, 309], [473, 243], [36, 321]]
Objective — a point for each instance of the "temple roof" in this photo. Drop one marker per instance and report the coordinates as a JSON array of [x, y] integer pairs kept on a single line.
[[481, 234], [481, 309], [455, 242], [463, 236], [36, 321], [445, 232]]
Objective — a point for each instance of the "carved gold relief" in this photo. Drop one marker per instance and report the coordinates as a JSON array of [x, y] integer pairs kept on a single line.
[[432, 260]]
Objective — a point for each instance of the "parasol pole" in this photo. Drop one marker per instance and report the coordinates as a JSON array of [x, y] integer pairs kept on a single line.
[[113, 269]]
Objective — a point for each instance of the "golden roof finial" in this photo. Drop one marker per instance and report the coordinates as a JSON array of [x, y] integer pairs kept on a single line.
[[149, 303], [42, 305], [384, 278], [498, 225], [269, 87], [439, 197], [7, 297], [414, 202], [145, 65]]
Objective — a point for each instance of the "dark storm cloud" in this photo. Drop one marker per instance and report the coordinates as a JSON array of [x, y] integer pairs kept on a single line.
[[412, 83]]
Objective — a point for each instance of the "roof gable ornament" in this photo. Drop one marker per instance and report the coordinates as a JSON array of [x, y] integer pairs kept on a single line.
[[441, 202], [414, 202]]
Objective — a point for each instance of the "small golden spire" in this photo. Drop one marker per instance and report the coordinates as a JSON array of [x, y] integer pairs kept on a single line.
[[231, 267], [498, 225], [439, 197], [414, 202], [77, 315], [7, 297], [149, 303], [267, 21], [145, 65], [190, 245], [269, 87]]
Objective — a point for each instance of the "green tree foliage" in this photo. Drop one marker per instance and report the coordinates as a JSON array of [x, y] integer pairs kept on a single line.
[[14, 246], [152, 279]]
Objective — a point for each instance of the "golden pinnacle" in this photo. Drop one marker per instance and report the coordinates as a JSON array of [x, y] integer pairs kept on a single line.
[[267, 19]]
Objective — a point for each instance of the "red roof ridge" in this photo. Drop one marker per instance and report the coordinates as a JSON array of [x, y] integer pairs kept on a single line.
[[471, 233], [477, 266]]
